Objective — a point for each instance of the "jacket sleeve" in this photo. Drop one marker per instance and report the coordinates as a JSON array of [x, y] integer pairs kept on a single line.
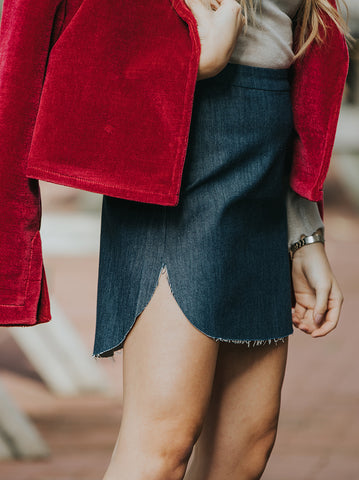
[[26, 32], [318, 81]]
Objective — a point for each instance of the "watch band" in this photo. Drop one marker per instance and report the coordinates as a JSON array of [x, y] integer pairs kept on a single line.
[[307, 240]]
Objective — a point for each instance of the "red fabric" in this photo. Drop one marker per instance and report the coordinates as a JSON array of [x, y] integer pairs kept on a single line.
[[317, 90], [98, 96]]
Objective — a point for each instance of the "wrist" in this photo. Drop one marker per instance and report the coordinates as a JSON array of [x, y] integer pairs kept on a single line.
[[316, 237], [211, 65]]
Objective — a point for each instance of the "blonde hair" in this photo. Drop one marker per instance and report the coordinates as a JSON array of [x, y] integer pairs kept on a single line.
[[309, 17]]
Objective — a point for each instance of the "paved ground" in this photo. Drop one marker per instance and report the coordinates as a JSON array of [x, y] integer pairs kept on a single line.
[[319, 426], [318, 434]]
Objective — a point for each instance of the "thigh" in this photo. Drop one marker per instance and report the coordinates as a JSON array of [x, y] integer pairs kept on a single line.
[[168, 369], [244, 406], [248, 380]]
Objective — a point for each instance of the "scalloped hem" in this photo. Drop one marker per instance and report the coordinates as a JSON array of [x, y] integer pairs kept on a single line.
[[250, 342]]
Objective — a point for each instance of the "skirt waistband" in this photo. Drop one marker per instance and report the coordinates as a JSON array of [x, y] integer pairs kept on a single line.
[[251, 77]]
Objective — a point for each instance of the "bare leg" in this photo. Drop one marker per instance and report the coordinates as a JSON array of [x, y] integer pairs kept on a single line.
[[241, 422], [168, 371]]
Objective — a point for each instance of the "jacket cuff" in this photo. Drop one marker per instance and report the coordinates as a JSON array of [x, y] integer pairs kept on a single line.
[[35, 307]]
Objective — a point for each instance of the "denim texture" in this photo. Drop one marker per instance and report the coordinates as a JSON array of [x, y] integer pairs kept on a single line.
[[225, 244]]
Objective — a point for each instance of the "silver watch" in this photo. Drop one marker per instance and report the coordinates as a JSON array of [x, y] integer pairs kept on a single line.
[[307, 240]]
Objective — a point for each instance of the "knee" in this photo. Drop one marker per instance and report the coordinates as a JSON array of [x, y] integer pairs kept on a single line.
[[171, 452], [167, 444], [180, 434]]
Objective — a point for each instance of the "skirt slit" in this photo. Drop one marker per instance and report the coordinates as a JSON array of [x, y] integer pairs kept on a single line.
[[224, 246]]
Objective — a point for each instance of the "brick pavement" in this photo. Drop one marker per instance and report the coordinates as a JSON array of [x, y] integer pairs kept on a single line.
[[318, 435]]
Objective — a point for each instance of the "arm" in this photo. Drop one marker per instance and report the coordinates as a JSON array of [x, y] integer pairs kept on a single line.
[[27, 28], [317, 87], [316, 291]]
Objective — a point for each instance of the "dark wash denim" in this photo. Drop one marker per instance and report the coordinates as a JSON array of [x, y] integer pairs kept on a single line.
[[225, 245]]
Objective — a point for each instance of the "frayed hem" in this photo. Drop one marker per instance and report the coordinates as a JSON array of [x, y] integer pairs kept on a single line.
[[252, 343], [108, 353], [249, 343]]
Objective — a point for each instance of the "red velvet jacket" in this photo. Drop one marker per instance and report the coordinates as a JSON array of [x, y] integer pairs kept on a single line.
[[97, 95]]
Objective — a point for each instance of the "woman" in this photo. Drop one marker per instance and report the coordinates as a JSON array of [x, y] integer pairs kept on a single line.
[[222, 247], [189, 376], [57, 125]]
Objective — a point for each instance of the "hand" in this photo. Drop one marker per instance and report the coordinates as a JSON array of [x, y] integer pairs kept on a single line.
[[318, 296], [219, 23]]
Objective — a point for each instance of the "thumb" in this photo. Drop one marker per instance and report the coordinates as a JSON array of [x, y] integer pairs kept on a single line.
[[230, 4], [321, 304]]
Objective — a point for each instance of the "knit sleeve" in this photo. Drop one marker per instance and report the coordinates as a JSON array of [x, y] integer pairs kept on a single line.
[[303, 216]]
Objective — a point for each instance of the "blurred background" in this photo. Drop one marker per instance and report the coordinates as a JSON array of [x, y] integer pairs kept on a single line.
[[59, 418]]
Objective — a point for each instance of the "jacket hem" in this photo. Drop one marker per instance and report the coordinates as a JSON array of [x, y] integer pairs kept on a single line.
[[302, 189], [20, 320], [126, 193]]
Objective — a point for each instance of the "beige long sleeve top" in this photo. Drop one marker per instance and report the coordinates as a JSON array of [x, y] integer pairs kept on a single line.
[[268, 43]]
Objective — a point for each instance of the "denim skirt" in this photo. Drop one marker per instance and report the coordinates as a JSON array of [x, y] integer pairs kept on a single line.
[[224, 245]]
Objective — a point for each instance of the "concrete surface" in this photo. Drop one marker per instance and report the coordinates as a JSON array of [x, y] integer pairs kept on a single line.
[[318, 435]]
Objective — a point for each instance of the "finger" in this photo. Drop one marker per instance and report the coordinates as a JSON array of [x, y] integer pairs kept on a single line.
[[231, 5], [296, 322], [215, 4], [299, 311], [304, 327], [197, 7], [321, 303], [330, 322], [307, 324], [332, 316]]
